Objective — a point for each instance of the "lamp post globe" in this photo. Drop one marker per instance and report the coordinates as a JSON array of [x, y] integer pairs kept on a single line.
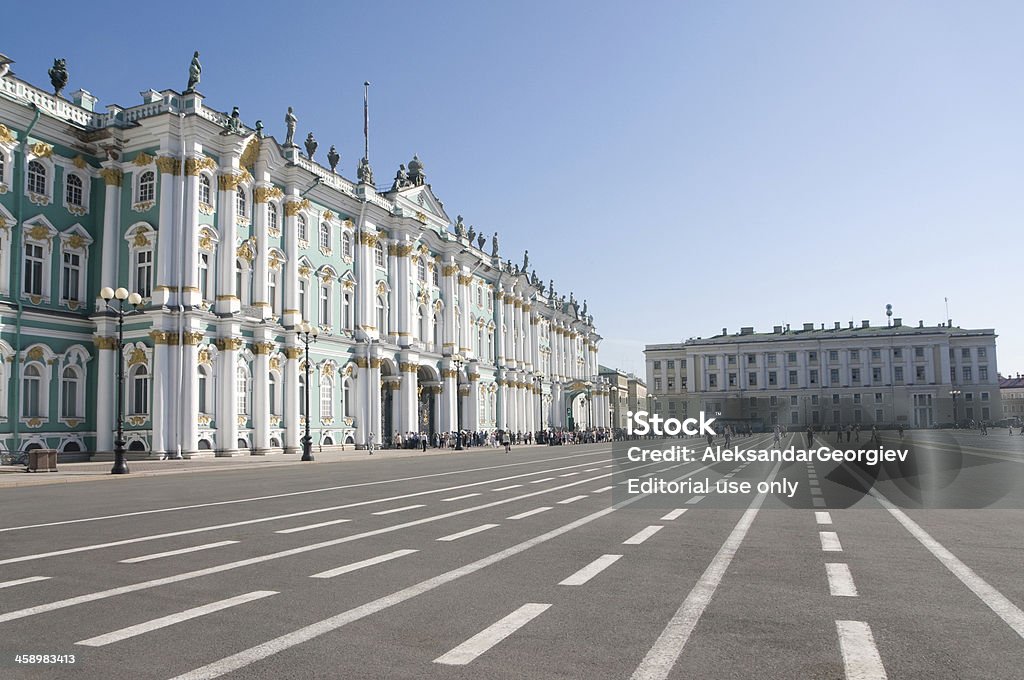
[[121, 295], [457, 361]]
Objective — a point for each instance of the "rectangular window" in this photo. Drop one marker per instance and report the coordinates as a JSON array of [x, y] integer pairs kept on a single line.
[[657, 365], [771, 359], [984, 396], [751, 360], [792, 378], [814, 400], [712, 380], [898, 374], [835, 398], [712, 361], [814, 376], [752, 379], [878, 397], [325, 305], [855, 375], [773, 401], [670, 364], [983, 373], [833, 355], [856, 398], [657, 384], [793, 401], [854, 355], [876, 354], [812, 356], [772, 379], [919, 373], [919, 352], [833, 375], [671, 384], [876, 374], [982, 353], [965, 353], [732, 380], [33, 269], [144, 273], [71, 271], [791, 357], [897, 353]]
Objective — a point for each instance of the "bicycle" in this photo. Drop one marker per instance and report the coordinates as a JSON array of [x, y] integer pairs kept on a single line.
[[20, 458]]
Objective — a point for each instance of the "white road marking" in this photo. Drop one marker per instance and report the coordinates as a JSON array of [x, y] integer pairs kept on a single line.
[[171, 619], [338, 571], [506, 488], [569, 474], [642, 535], [695, 500], [171, 553], [658, 662], [1010, 613], [530, 513], [538, 481], [818, 502], [727, 476], [592, 469], [603, 489], [591, 570], [468, 532], [20, 581], [840, 580], [308, 527], [822, 518], [673, 515], [815, 491], [492, 635], [860, 655], [402, 509], [649, 474], [330, 488], [571, 500], [830, 541], [289, 640], [459, 498]]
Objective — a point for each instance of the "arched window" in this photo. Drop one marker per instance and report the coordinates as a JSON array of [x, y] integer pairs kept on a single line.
[[346, 245], [346, 396], [480, 342], [303, 236], [70, 388], [382, 315], [32, 392], [147, 187], [326, 398], [378, 255], [140, 390], [204, 190], [73, 190], [242, 389], [36, 177], [433, 275], [272, 217], [325, 236], [421, 269], [241, 204]]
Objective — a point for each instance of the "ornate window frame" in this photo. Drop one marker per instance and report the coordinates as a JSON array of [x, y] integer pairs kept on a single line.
[[40, 358], [209, 240], [305, 279], [325, 297], [76, 359], [81, 208], [75, 240], [40, 153], [143, 202], [6, 160], [38, 231], [6, 222], [208, 207], [275, 275], [141, 238], [243, 204], [137, 357], [347, 245], [324, 238], [274, 227]]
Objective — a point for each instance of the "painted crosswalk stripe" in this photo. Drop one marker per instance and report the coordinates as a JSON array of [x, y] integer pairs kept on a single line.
[[459, 498], [590, 571], [20, 581], [338, 571], [506, 488], [171, 553], [603, 489], [467, 532], [822, 518], [492, 635], [309, 527], [673, 515], [695, 500], [530, 513], [401, 509], [171, 619], [642, 535], [830, 541], [573, 499], [840, 580], [538, 481], [860, 655]]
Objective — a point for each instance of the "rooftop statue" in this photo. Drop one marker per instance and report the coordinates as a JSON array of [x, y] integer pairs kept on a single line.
[[195, 71], [365, 172], [259, 129], [472, 233], [58, 75], [401, 179], [311, 145], [526, 260], [460, 228], [290, 122], [332, 158], [494, 245], [235, 121], [480, 240]]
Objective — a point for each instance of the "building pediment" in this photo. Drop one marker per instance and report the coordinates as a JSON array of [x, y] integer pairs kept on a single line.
[[421, 199]]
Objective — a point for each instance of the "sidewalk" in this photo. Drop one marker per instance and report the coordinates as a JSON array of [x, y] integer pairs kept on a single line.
[[11, 476]]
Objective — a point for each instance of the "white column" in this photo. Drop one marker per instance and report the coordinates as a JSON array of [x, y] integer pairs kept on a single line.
[[190, 239], [402, 289], [105, 396], [292, 429], [465, 303], [292, 315], [160, 407], [190, 393], [227, 297], [111, 227], [408, 395], [261, 392], [450, 342], [227, 397], [165, 278], [261, 267]]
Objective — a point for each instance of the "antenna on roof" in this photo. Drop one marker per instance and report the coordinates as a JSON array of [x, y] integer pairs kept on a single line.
[[947, 307]]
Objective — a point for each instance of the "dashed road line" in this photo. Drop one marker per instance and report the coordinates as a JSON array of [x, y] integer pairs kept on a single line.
[[538, 481], [642, 535], [171, 553], [21, 581], [530, 513], [309, 527], [459, 498], [362, 564], [822, 518], [695, 500], [572, 499], [492, 635], [840, 580], [603, 489], [591, 570], [506, 488], [860, 655], [468, 532], [401, 509], [673, 515], [830, 541]]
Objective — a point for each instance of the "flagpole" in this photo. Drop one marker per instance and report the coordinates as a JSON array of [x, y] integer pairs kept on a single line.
[[366, 120]]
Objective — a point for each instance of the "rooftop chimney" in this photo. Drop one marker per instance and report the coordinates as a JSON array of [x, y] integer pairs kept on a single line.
[[725, 331], [838, 325], [777, 329], [747, 330], [85, 100], [865, 324], [851, 324], [897, 322], [808, 326], [920, 324]]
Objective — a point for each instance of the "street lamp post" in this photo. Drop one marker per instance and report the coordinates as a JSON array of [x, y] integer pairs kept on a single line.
[[956, 419], [307, 333], [135, 300], [457, 361]]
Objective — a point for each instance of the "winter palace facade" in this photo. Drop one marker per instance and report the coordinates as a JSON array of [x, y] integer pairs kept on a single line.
[[234, 240]]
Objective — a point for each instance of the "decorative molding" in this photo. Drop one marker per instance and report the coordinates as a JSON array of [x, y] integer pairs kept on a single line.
[[168, 165], [229, 344], [293, 352], [143, 206], [408, 367], [275, 363], [39, 232], [142, 160], [193, 337], [264, 194], [38, 199], [194, 165], [41, 150], [368, 239], [251, 153], [294, 207], [5, 135], [112, 176], [138, 356], [79, 162], [261, 348]]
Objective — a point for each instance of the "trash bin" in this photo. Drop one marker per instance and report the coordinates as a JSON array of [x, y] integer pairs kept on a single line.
[[42, 460]]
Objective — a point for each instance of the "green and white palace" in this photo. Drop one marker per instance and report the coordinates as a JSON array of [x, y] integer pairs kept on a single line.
[[235, 240]]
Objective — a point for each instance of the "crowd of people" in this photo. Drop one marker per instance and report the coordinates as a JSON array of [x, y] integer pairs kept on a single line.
[[494, 438]]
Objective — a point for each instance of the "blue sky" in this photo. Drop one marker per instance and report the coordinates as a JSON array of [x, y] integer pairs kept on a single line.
[[683, 166]]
